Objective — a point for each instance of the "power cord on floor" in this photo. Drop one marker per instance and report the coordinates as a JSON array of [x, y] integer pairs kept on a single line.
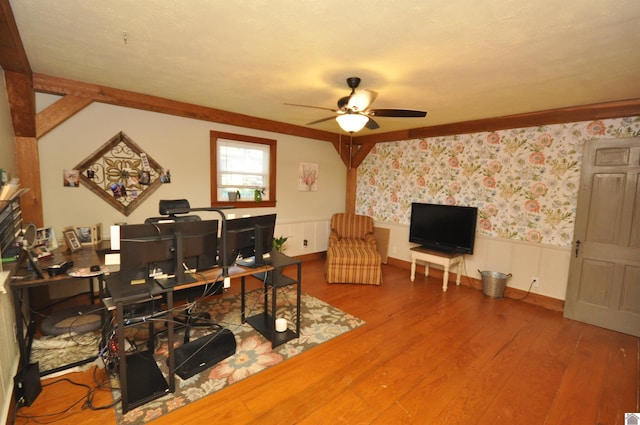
[[466, 275], [87, 402], [525, 295]]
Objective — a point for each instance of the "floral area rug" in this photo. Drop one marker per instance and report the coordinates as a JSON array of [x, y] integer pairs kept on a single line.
[[319, 322]]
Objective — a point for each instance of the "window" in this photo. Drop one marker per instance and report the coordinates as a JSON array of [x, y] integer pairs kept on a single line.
[[242, 164]]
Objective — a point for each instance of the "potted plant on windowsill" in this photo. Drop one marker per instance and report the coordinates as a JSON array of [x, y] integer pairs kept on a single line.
[[257, 194], [234, 196]]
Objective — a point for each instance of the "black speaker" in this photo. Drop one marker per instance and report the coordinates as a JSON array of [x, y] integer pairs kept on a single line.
[[202, 353], [27, 384]]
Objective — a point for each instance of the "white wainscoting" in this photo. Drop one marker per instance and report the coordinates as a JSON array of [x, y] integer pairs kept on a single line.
[[9, 355], [523, 260], [314, 230]]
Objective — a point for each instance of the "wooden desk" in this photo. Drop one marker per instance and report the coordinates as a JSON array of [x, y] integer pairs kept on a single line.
[[215, 274], [434, 257], [140, 379], [271, 277], [23, 280]]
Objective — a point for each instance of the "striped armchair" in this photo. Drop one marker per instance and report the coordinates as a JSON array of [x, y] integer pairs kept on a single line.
[[352, 255], [351, 230]]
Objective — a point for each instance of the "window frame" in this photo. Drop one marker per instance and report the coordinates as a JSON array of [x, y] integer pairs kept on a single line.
[[214, 136]]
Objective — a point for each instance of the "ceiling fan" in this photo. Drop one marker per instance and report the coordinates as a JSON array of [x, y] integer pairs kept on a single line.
[[353, 111]]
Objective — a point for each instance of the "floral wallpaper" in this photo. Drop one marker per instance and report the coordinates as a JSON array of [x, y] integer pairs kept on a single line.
[[524, 181]]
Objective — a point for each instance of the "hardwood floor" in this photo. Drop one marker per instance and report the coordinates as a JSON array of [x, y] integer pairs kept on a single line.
[[424, 357]]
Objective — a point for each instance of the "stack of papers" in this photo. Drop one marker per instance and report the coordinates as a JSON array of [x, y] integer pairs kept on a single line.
[[9, 190]]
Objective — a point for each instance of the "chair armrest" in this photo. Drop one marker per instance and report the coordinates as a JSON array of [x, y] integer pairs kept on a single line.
[[333, 237], [370, 239]]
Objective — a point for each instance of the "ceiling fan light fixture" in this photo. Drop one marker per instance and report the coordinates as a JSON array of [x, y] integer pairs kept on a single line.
[[352, 123]]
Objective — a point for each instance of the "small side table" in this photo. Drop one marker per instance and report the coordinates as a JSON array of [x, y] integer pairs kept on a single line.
[[86, 273], [443, 259], [265, 322]]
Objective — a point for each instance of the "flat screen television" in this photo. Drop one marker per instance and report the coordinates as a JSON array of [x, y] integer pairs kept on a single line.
[[444, 228]]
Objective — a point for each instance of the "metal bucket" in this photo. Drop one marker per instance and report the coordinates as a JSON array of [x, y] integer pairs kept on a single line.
[[493, 283]]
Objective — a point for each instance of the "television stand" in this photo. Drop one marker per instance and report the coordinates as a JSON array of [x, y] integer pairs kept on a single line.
[[443, 259]]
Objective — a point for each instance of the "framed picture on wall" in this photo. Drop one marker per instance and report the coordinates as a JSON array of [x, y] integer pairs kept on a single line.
[[71, 239]]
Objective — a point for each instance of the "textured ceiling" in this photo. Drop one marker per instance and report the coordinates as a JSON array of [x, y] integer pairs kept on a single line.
[[457, 59]]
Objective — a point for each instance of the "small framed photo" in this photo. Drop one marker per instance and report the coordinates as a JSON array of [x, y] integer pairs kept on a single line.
[[71, 178], [89, 235], [71, 239], [41, 251], [47, 237], [85, 234]]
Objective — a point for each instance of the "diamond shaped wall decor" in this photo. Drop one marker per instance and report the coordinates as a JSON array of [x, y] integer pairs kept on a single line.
[[120, 173]]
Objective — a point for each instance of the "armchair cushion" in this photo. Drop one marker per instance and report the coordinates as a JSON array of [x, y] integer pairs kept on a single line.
[[351, 230]]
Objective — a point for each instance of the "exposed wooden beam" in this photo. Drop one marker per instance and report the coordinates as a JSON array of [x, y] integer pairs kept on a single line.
[[61, 86], [342, 147], [29, 172], [352, 186], [361, 154], [58, 112], [12, 55], [616, 109], [22, 103]]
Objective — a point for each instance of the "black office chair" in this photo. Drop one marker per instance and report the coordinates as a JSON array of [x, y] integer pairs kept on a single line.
[[178, 207]]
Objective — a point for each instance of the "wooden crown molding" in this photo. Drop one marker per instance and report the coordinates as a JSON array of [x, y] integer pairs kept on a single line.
[[61, 86], [362, 145], [596, 111]]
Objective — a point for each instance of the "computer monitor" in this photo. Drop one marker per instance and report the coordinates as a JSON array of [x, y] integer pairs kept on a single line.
[[143, 248], [200, 243], [248, 237], [167, 248]]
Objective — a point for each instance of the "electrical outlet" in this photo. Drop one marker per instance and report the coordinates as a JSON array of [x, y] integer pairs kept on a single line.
[[227, 283], [536, 282], [305, 243]]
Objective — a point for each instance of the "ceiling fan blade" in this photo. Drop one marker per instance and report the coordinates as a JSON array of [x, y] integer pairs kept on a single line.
[[360, 101], [310, 106], [397, 113], [372, 125], [320, 120]]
